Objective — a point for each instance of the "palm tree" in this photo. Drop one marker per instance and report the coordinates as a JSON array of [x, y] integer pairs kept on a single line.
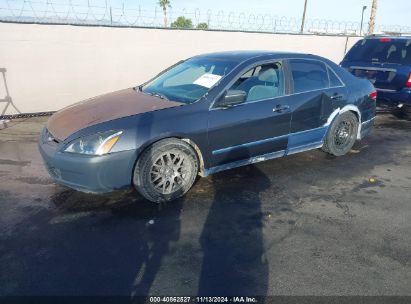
[[371, 25], [164, 4]]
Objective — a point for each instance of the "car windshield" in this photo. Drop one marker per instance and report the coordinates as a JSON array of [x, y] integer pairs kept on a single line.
[[190, 80], [382, 50]]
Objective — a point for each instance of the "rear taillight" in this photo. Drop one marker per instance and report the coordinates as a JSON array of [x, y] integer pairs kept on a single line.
[[385, 40], [408, 84], [373, 95]]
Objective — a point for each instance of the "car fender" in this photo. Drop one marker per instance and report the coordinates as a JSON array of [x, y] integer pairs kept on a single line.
[[339, 111]]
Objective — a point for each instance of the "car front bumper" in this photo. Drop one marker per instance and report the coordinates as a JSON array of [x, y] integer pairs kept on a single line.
[[394, 99], [95, 174]]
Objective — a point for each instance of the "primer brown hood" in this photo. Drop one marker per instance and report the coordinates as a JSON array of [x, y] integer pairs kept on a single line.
[[103, 108]]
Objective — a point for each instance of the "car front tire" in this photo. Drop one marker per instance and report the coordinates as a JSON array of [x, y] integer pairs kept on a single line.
[[166, 170], [341, 135]]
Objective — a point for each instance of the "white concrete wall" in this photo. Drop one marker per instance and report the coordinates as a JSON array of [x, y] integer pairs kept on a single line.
[[52, 66]]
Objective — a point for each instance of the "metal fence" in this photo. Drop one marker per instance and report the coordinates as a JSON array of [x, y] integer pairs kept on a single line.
[[103, 13]]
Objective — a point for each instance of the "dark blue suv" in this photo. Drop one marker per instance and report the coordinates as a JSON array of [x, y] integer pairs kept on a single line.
[[386, 62]]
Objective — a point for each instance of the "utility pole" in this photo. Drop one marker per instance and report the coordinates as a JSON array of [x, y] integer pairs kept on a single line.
[[303, 21], [371, 25], [362, 18]]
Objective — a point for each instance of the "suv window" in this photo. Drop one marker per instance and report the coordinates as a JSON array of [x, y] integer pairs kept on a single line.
[[261, 82], [384, 50], [308, 75]]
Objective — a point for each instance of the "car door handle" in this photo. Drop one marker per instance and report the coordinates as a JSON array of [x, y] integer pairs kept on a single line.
[[281, 108], [337, 97]]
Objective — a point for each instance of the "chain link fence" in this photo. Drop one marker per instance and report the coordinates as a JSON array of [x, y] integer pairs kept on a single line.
[[125, 15]]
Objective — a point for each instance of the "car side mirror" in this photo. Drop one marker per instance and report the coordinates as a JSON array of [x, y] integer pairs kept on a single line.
[[232, 98]]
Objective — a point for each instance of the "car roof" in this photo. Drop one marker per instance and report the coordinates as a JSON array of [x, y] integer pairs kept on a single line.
[[240, 56]]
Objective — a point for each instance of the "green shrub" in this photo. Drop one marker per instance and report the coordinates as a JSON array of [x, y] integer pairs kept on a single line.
[[182, 22], [202, 26]]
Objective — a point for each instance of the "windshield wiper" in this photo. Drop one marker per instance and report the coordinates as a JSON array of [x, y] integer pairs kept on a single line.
[[158, 95], [138, 88]]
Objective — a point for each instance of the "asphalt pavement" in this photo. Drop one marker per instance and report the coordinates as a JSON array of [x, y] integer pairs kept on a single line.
[[307, 224]]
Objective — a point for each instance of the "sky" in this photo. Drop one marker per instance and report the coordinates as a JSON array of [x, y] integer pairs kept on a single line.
[[390, 12]]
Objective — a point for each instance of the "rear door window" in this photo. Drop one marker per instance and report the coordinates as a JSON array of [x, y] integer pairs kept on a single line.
[[308, 75], [384, 50]]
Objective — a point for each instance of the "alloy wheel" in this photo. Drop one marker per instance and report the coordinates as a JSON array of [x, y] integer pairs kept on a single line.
[[168, 173]]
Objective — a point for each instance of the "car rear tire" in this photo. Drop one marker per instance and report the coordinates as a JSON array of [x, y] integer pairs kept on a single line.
[[341, 135], [166, 170]]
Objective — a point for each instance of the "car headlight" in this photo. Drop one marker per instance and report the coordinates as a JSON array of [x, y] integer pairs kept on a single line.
[[96, 144]]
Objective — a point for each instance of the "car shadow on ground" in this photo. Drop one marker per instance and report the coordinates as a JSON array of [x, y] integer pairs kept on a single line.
[[231, 240], [115, 244], [122, 248]]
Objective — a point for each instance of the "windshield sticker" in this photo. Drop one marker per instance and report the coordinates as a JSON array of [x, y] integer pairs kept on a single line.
[[207, 80]]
